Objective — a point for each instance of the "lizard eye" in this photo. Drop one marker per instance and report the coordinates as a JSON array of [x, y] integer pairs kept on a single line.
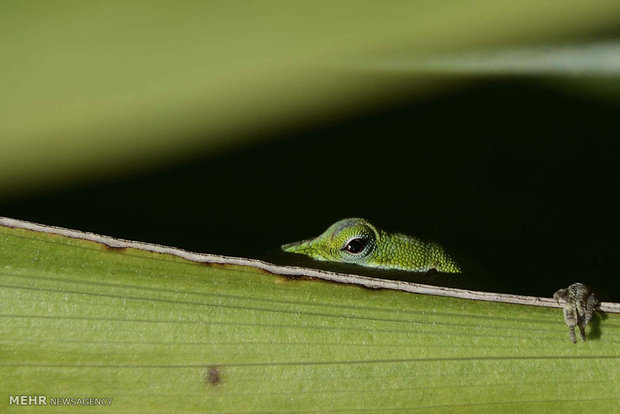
[[355, 246]]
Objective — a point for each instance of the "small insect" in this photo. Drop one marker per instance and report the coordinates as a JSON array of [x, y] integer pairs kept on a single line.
[[579, 307]]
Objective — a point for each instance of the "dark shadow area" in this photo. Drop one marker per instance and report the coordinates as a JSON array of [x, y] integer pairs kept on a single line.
[[520, 179], [595, 326]]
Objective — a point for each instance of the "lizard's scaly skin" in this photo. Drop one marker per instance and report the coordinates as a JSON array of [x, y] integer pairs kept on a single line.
[[377, 248]]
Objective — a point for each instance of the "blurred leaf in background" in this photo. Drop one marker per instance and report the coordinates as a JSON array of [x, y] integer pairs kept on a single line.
[[104, 88]]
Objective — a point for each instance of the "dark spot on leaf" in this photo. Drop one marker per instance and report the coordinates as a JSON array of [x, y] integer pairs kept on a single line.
[[373, 288], [295, 278], [113, 248], [213, 375], [235, 266]]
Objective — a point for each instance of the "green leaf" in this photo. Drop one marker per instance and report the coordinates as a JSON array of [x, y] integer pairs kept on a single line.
[[157, 332]]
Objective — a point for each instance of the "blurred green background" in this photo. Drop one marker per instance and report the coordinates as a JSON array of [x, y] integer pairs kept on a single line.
[[234, 127]]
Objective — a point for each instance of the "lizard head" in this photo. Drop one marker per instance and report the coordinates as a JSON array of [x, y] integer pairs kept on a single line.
[[351, 240]]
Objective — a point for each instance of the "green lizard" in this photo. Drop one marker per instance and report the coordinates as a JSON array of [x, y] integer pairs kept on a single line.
[[357, 241]]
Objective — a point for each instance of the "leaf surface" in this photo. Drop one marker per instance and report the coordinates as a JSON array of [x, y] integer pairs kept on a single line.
[[159, 333]]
